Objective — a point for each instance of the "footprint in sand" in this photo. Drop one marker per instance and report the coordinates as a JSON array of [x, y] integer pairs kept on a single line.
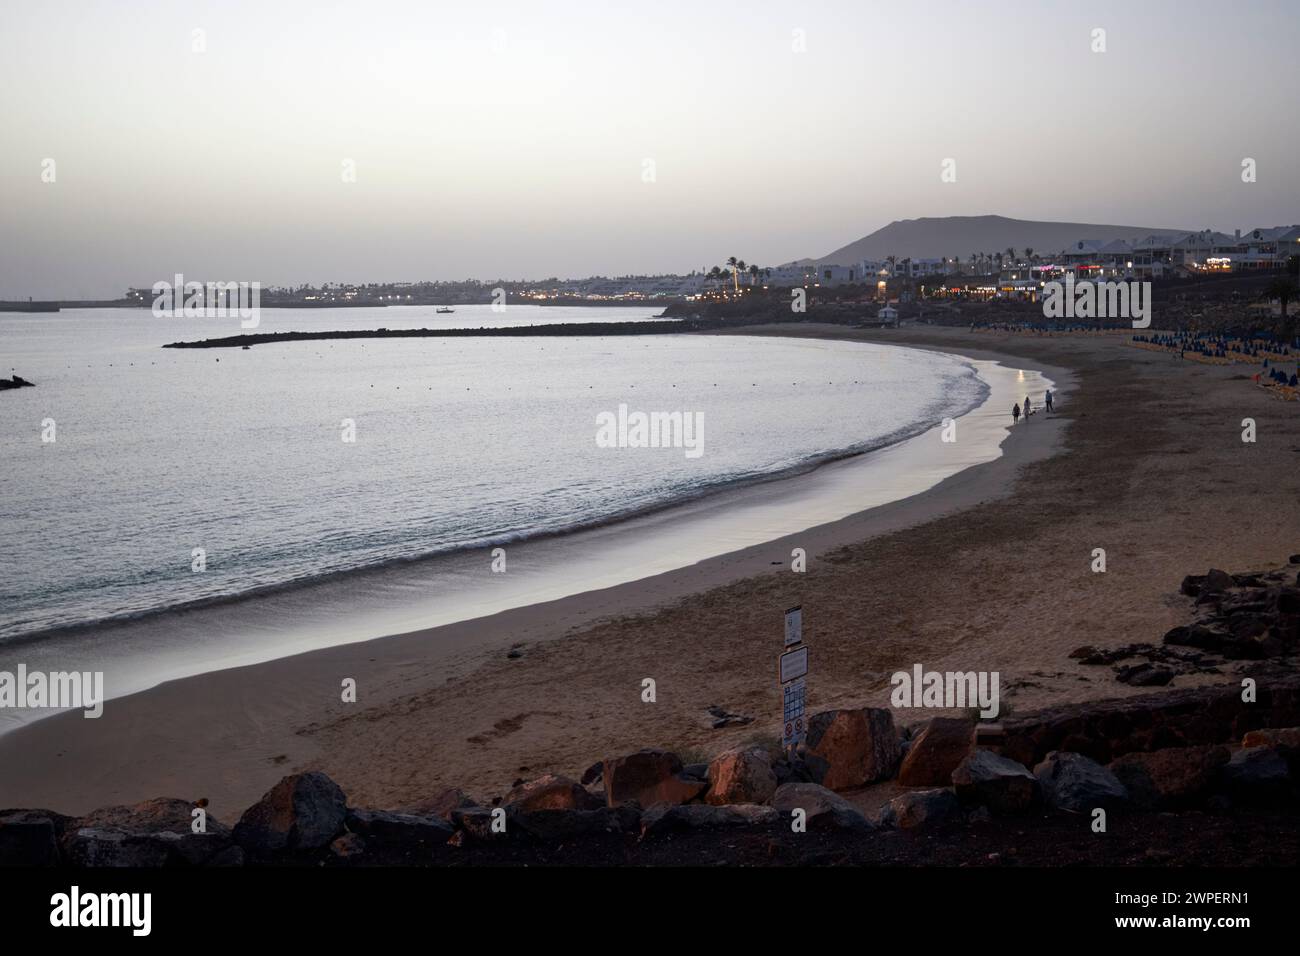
[[505, 727]]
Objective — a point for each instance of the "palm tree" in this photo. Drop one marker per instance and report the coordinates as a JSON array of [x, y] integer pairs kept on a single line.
[[754, 272], [1284, 289], [734, 263]]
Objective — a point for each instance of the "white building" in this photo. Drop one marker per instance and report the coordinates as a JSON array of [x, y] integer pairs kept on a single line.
[[791, 275], [838, 275]]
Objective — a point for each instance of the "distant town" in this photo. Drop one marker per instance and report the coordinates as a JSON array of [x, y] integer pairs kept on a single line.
[[1009, 274]]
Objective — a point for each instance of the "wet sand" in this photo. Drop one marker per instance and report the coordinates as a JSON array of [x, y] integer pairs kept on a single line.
[[989, 570]]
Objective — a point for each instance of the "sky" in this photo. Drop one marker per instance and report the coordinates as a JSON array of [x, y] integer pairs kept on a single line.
[[292, 142]]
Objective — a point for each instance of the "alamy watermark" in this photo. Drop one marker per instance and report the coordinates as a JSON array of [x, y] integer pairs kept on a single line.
[[63, 690], [946, 689], [626, 429], [1098, 300], [128, 910], [211, 300]]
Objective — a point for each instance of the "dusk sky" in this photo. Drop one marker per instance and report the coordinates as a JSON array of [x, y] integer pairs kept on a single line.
[[509, 139]]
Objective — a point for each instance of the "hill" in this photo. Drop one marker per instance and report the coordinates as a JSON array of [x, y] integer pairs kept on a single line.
[[933, 237]]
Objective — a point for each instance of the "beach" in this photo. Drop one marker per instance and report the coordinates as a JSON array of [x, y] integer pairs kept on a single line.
[[991, 569]]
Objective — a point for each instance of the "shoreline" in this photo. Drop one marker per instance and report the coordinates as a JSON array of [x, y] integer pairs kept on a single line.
[[717, 492], [262, 734], [364, 605]]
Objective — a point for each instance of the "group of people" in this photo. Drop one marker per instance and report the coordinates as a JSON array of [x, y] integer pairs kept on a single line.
[[1029, 410]]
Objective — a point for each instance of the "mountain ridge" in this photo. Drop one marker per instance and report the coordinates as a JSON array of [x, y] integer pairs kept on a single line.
[[939, 236]]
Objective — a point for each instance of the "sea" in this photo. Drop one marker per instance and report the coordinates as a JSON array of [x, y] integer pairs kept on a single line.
[[139, 482], [285, 462]]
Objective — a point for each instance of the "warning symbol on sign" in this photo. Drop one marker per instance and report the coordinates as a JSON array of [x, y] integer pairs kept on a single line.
[[793, 695]]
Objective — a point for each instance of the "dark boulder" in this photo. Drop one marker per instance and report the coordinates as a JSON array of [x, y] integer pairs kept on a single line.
[[29, 838], [1198, 635], [550, 792], [401, 830], [741, 775], [920, 808], [1171, 778], [936, 752], [1256, 774], [1070, 781], [304, 811], [1144, 675], [991, 780], [1216, 582], [648, 777], [851, 748], [158, 832], [92, 847], [822, 808]]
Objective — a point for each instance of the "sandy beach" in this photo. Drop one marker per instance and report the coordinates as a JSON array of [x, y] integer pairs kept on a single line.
[[989, 570]]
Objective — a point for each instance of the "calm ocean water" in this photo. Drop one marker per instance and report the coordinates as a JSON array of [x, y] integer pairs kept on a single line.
[[460, 443]]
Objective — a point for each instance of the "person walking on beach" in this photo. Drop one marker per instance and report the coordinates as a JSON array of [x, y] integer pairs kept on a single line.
[[1027, 410], [1048, 399], [1015, 414]]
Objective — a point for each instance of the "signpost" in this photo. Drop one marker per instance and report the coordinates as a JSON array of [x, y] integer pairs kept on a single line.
[[794, 625], [794, 664], [792, 670]]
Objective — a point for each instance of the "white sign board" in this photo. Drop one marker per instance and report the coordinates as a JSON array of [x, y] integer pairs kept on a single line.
[[794, 625], [794, 724], [794, 664]]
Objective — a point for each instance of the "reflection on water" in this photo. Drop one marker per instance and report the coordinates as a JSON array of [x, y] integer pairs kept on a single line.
[[462, 586]]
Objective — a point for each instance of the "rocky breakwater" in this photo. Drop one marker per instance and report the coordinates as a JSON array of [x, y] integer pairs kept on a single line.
[[1053, 769]]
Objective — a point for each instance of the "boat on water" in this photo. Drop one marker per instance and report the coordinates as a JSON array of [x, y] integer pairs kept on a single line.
[[446, 311]]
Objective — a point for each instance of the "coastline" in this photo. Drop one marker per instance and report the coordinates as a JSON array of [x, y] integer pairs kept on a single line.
[[719, 490], [253, 715], [989, 571], [400, 597]]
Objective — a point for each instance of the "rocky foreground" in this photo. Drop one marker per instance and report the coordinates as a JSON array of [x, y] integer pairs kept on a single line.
[[1206, 775], [1193, 775]]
